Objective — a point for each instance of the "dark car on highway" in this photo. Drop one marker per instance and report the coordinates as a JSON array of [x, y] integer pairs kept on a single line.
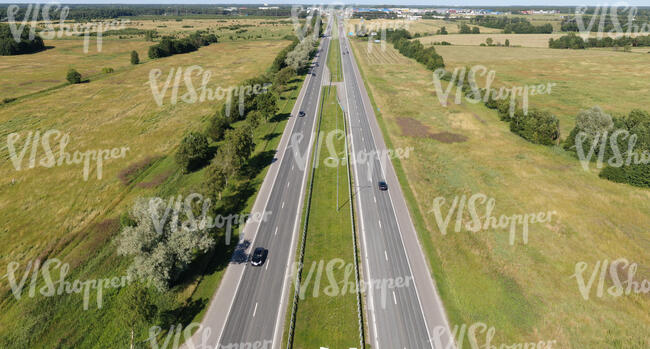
[[383, 185], [301, 114], [259, 256]]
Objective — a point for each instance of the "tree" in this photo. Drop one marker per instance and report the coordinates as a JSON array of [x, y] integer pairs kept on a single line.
[[218, 126], [267, 104], [239, 146], [507, 43], [216, 177], [284, 76], [465, 29], [253, 119], [442, 31], [136, 308], [73, 76], [193, 152], [489, 41], [135, 59], [162, 243], [476, 30]]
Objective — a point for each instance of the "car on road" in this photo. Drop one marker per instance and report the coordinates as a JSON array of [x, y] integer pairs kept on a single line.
[[259, 256], [301, 114], [383, 186]]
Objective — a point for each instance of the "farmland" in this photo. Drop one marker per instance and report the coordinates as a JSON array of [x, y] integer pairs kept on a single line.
[[531, 283]]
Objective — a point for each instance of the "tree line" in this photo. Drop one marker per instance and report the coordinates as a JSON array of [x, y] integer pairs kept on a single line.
[[414, 49], [9, 46], [88, 12], [573, 41], [510, 25], [170, 46]]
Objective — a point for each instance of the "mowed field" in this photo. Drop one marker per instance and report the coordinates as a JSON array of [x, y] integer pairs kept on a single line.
[[524, 40], [525, 291], [25, 74], [421, 26], [116, 111]]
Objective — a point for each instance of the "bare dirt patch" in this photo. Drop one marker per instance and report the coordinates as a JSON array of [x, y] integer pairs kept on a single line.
[[413, 128]]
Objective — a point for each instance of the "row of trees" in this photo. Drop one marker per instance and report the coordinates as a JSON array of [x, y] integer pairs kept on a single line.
[[161, 256], [596, 130], [510, 25], [170, 46], [9, 46], [573, 41], [414, 49]]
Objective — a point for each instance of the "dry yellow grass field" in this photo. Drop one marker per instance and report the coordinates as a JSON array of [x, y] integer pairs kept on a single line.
[[116, 111], [25, 74], [525, 291], [422, 26]]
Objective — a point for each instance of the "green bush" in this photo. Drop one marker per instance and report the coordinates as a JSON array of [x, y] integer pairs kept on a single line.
[[9, 46], [635, 174], [73, 76], [218, 126], [135, 59], [193, 152], [537, 127], [107, 70]]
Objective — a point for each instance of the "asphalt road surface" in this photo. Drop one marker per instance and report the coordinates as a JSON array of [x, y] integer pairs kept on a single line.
[[260, 300], [396, 315]]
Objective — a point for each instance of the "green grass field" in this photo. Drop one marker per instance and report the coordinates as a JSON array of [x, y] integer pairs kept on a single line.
[[328, 320], [525, 291], [59, 215]]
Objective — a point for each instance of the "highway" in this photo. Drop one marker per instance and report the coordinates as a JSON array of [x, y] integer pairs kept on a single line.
[[249, 307], [399, 317]]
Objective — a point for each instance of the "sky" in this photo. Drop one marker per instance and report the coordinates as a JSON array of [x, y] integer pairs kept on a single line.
[[435, 3]]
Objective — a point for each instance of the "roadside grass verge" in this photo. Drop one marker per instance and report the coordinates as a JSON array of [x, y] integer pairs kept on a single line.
[[525, 291], [327, 314]]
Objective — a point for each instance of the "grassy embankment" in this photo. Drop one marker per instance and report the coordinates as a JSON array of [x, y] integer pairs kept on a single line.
[[526, 290]]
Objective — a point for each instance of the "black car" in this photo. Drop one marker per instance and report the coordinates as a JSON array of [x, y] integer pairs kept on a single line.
[[259, 256], [301, 114], [383, 186]]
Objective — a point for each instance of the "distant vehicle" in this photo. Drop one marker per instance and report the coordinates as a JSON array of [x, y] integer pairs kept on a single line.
[[313, 74], [259, 256], [301, 114], [383, 186]]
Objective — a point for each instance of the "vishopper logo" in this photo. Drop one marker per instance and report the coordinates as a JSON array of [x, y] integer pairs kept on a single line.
[[473, 335], [47, 12], [49, 160], [463, 77], [61, 286], [302, 30], [488, 221], [170, 215], [179, 76], [599, 144], [621, 286], [606, 13], [179, 334], [335, 287], [338, 158]]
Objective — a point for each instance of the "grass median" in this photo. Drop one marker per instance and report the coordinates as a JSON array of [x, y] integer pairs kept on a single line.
[[327, 309]]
